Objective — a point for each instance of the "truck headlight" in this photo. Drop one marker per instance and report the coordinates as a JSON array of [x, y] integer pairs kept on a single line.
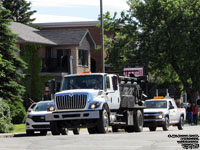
[[159, 117], [95, 105]]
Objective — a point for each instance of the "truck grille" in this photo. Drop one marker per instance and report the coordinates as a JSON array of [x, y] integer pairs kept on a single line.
[[71, 102], [39, 118]]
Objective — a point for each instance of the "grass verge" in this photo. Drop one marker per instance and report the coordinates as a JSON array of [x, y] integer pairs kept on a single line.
[[19, 128]]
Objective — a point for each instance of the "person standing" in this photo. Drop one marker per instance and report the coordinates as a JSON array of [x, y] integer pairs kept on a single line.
[[189, 114], [195, 113]]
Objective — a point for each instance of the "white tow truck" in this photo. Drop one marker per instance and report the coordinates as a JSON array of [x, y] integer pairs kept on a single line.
[[163, 112], [96, 101]]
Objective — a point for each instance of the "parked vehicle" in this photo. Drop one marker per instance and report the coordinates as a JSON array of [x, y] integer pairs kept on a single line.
[[35, 120], [97, 100], [163, 112]]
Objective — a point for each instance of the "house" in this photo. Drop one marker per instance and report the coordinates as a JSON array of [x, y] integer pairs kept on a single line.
[[56, 48], [92, 26]]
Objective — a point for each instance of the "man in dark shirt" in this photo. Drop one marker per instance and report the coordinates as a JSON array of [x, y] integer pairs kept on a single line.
[[189, 114]]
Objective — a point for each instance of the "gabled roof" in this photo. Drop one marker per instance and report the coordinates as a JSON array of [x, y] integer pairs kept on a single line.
[[68, 36], [27, 34]]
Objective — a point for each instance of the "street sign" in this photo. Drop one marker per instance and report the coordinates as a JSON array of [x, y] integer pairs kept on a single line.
[[135, 71]]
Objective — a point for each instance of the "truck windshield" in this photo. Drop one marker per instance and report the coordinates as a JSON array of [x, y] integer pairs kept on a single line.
[[82, 82], [156, 104]]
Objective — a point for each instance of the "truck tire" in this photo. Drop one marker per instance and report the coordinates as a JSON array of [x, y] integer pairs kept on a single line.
[[76, 131], [103, 122], [92, 130], [166, 124], [43, 133], [129, 129], [29, 132], [181, 123], [138, 121], [64, 131], [54, 128], [152, 128], [114, 129]]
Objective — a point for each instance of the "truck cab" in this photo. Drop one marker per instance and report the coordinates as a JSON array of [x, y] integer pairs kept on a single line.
[[163, 112]]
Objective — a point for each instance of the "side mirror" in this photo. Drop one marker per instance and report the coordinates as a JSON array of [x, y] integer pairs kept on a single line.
[[171, 107]]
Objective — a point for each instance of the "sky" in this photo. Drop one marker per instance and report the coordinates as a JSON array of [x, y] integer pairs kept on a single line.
[[73, 10]]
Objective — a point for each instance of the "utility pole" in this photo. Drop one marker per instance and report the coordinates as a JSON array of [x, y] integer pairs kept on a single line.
[[102, 35]]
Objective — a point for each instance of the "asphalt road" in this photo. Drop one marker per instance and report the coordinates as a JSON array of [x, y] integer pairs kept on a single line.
[[146, 140]]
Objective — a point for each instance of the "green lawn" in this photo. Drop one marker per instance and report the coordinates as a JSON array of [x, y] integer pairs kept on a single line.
[[19, 128]]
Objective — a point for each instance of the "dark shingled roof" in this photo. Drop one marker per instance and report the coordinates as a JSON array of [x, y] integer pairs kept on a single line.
[[27, 34], [68, 36]]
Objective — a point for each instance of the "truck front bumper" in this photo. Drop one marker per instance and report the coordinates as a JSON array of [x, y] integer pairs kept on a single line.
[[81, 115], [154, 122]]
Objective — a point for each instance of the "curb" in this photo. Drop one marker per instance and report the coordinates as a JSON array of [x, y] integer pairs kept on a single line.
[[7, 135]]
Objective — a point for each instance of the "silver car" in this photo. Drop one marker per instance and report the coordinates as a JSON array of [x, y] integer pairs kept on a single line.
[[35, 120]]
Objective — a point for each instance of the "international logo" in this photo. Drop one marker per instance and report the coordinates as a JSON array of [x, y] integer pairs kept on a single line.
[[70, 94]]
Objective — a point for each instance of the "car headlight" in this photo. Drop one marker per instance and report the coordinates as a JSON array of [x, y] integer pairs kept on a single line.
[[51, 108], [95, 105]]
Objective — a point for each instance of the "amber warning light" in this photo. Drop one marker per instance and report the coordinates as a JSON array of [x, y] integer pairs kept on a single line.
[[158, 97]]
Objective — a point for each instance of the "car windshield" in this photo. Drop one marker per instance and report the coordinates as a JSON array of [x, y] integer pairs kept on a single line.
[[156, 104], [42, 106], [82, 82]]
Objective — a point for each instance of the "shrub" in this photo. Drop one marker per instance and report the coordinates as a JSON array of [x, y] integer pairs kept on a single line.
[[18, 112], [5, 118]]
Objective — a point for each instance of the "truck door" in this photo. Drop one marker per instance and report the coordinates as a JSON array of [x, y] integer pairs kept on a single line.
[[113, 92], [172, 112]]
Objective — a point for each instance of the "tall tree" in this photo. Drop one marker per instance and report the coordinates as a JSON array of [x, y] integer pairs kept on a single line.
[[2, 64], [166, 35], [170, 32], [20, 10], [10, 87]]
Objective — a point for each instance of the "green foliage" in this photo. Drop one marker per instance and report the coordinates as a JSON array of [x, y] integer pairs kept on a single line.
[[2, 64], [5, 118], [20, 10], [163, 35], [10, 87], [172, 30], [18, 112], [33, 82]]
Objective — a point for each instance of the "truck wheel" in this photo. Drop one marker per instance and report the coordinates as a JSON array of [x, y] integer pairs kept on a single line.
[[138, 121], [64, 131], [152, 128], [114, 129], [29, 132], [54, 128], [103, 123], [181, 123], [129, 129], [43, 132], [166, 124], [76, 131], [92, 130]]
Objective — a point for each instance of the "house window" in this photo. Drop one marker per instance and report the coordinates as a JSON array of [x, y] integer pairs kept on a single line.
[[48, 52], [83, 57]]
